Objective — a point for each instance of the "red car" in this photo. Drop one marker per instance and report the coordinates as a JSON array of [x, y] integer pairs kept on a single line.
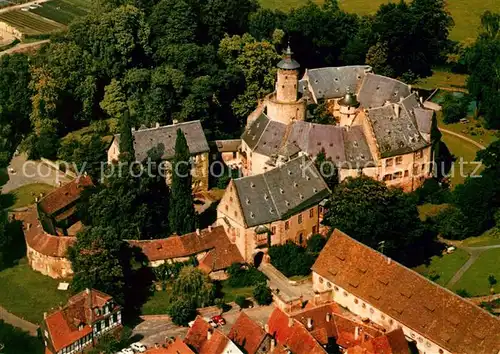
[[219, 320]]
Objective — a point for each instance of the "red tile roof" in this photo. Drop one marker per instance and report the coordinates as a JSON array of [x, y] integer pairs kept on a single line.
[[42, 242], [423, 306], [197, 338], [222, 253], [63, 325], [247, 334], [292, 334], [65, 195], [392, 343], [176, 347]]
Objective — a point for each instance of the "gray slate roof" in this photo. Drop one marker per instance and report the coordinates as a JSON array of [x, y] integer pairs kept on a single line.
[[395, 135], [281, 192], [333, 82], [357, 152], [230, 145], [312, 138], [424, 119], [252, 134], [164, 138], [376, 90]]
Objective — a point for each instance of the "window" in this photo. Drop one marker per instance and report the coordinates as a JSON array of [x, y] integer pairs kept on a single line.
[[287, 225], [372, 311], [273, 230], [300, 218], [311, 213], [235, 214], [314, 229], [397, 175], [336, 288], [227, 208], [399, 160], [387, 178], [419, 154], [346, 294], [388, 162], [230, 199], [423, 167], [407, 173], [329, 285], [234, 154], [320, 280], [363, 305], [356, 301]]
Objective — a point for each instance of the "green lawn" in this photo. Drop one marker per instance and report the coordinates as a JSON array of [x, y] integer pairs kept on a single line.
[[475, 280], [488, 238], [429, 210], [442, 79], [158, 303], [25, 195], [442, 268], [230, 294], [60, 11], [28, 294], [16, 341], [466, 13], [460, 149]]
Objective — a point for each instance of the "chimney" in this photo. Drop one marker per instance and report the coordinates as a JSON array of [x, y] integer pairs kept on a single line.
[[309, 323], [290, 322], [209, 228], [28, 226], [273, 345], [266, 328], [198, 231], [356, 333], [36, 199], [44, 315], [389, 260], [157, 125], [209, 333], [396, 110], [328, 317], [87, 291]]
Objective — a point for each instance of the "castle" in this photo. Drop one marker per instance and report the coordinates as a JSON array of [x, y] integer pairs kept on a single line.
[[382, 129]]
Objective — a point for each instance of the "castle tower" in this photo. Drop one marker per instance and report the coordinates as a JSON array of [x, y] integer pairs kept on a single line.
[[348, 107], [288, 78]]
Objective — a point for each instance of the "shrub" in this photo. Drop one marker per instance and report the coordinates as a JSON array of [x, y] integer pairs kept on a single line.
[[262, 294], [462, 293], [182, 311], [454, 108], [241, 276], [432, 192], [315, 244], [240, 301], [291, 259]]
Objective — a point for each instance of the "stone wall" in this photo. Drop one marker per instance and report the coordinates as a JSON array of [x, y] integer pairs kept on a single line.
[[285, 112], [54, 267]]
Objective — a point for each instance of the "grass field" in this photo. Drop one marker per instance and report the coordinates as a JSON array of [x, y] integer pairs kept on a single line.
[[461, 150], [158, 303], [442, 268], [63, 11], [430, 210], [29, 23], [475, 279], [466, 13], [488, 238], [28, 294], [443, 79], [22, 196]]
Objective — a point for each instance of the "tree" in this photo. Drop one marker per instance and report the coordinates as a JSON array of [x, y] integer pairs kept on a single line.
[[482, 60], [114, 102], [135, 207], [182, 311], [452, 224], [96, 260], [291, 259], [490, 157], [14, 104], [454, 108], [315, 244], [262, 294], [372, 213], [195, 287], [182, 215], [127, 151], [241, 301], [492, 280], [264, 22]]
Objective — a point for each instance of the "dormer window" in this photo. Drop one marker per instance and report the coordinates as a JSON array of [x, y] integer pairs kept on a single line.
[[282, 191]]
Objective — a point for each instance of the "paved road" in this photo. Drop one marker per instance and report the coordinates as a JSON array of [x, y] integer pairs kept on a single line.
[[18, 322], [156, 331], [24, 46], [28, 172], [463, 137], [287, 289]]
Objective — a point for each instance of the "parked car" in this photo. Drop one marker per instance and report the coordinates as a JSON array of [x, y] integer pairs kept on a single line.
[[138, 347], [127, 351], [219, 320], [210, 322]]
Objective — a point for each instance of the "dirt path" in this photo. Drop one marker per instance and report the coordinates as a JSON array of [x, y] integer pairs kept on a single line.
[[18, 322], [463, 137], [23, 46]]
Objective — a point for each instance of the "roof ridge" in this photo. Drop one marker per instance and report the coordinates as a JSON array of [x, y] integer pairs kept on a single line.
[[260, 137]]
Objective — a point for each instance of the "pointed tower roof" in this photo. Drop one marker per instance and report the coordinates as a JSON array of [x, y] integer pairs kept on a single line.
[[288, 63]]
